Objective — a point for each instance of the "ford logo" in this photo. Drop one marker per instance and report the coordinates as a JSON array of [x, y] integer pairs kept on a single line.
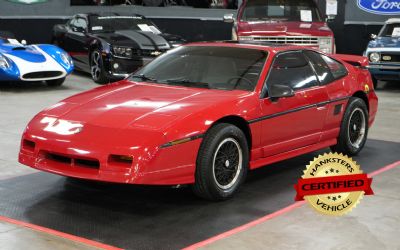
[[382, 7]]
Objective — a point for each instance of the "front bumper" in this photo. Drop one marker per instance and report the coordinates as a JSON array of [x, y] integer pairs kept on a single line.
[[120, 68], [385, 71], [167, 166]]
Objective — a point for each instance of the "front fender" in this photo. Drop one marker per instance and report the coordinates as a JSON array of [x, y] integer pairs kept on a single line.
[[55, 52], [197, 124]]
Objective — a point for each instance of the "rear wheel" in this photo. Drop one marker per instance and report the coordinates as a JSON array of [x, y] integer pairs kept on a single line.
[[222, 163], [55, 82], [354, 128], [97, 68]]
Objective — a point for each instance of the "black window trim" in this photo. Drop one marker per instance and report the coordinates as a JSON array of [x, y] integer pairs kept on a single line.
[[264, 91]]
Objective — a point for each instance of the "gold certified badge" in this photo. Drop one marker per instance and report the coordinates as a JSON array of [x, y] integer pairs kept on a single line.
[[333, 184]]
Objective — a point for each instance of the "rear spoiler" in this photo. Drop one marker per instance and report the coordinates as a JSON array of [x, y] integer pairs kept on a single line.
[[358, 61]]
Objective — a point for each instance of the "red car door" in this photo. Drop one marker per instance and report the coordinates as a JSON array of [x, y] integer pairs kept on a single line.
[[292, 122], [331, 74]]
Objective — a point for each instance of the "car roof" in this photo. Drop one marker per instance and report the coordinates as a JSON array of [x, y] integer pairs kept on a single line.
[[268, 46], [393, 20]]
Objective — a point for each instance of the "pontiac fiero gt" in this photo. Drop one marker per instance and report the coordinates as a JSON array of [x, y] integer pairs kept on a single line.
[[204, 114]]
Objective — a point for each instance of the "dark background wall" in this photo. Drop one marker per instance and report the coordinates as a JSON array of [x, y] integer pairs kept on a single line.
[[352, 27], [40, 30]]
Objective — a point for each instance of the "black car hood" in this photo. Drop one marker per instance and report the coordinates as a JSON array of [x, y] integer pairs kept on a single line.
[[135, 39]]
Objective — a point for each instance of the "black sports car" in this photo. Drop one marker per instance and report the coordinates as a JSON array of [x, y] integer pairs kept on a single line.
[[112, 46]]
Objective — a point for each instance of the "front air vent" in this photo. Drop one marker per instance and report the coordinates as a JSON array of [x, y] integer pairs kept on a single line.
[[72, 161], [59, 158], [19, 48], [28, 145], [87, 163], [42, 74]]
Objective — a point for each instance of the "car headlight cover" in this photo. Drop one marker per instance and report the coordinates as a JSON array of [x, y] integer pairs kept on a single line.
[[122, 51], [374, 57], [325, 44], [67, 60], [4, 64]]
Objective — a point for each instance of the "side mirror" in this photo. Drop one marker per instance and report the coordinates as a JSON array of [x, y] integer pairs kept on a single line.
[[279, 90], [373, 36], [228, 18], [23, 42]]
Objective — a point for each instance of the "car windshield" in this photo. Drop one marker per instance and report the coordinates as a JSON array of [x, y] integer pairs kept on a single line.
[[283, 10], [210, 67], [113, 23], [391, 30]]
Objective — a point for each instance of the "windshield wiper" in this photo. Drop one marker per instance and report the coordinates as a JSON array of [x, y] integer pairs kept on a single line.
[[143, 77], [186, 81]]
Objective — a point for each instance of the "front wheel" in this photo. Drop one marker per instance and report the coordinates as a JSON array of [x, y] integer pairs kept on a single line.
[[97, 68], [55, 82], [354, 128], [222, 162]]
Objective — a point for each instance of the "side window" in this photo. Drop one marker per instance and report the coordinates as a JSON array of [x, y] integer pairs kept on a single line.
[[292, 69], [338, 70], [321, 67]]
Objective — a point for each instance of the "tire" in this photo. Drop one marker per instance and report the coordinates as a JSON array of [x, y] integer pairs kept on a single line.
[[213, 180], [375, 82], [56, 82], [97, 68], [354, 128]]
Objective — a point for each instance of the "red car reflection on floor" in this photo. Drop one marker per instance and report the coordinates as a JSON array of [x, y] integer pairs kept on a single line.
[[204, 114]]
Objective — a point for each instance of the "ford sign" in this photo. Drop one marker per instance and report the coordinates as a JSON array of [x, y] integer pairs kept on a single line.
[[381, 7]]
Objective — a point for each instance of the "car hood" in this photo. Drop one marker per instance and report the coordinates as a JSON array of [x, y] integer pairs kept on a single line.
[[141, 105], [27, 53], [135, 39], [273, 28], [385, 42]]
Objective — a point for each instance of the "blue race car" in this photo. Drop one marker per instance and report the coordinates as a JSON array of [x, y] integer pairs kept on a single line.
[[42, 62], [383, 52]]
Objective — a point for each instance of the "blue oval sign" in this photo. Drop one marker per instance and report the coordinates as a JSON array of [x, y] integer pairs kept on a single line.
[[382, 7]]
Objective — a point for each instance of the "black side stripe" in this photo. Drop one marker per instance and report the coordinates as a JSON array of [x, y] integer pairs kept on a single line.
[[183, 140], [320, 104]]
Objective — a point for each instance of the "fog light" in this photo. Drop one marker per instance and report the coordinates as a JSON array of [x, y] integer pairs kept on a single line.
[[116, 65]]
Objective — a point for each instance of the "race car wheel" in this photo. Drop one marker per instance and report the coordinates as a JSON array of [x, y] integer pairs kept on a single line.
[[354, 128], [222, 162], [97, 68], [56, 82]]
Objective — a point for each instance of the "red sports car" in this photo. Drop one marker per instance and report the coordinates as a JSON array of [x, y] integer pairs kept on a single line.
[[204, 114]]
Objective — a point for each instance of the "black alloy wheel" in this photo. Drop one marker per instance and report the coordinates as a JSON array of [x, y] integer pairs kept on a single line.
[[97, 68], [222, 162], [354, 128]]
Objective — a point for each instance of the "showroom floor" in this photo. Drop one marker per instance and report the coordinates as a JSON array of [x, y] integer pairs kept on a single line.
[[372, 225]]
